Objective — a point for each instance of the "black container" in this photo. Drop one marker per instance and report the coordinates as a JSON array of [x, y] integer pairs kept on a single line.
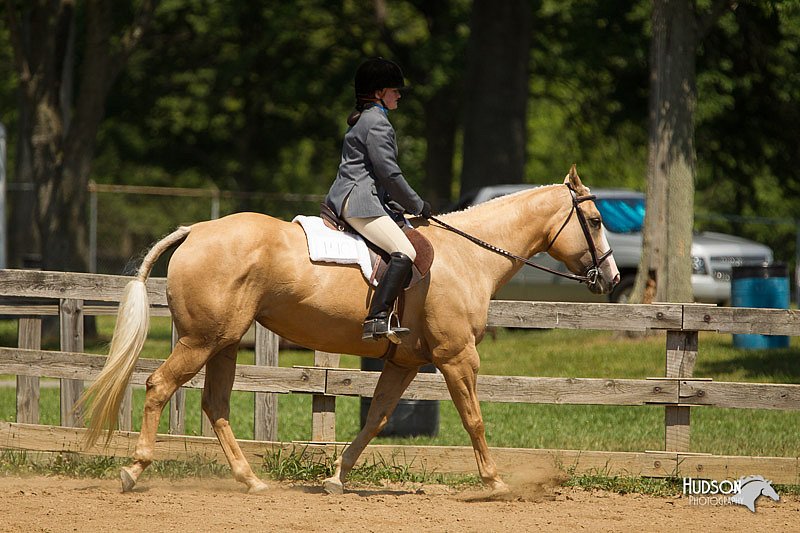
[[411, 417]]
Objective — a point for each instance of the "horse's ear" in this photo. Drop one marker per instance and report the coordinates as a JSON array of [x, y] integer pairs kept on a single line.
[[573, 179]]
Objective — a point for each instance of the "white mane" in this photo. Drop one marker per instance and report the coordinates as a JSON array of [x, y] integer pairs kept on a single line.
[[501, 199]]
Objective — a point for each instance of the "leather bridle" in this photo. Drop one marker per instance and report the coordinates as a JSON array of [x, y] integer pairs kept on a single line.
[[592, 272]]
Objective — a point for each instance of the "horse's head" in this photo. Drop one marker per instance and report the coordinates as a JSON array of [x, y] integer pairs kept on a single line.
[[580, 241], [770, 492]]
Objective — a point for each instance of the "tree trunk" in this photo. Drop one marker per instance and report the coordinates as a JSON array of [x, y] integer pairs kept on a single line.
[[60, 141], [441, 122], [23, 233], [497, 93], [665, 269], [441, 101]]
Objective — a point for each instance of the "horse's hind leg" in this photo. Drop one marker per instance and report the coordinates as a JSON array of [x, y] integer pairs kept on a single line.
[[182, 364], [220, 371], [392, 382]]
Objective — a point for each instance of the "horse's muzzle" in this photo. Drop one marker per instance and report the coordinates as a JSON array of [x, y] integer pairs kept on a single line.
[[602, 286]]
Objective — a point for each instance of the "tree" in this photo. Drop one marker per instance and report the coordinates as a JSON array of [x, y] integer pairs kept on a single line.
[[588, 102], [497, 93], [433, 60], [57, 129], [747, 138], [665, 268]]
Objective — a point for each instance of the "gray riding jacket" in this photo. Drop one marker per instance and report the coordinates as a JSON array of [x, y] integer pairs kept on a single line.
[[369, 174]]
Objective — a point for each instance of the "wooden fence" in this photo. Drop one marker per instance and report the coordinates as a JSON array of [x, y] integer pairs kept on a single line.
[[76, 295]]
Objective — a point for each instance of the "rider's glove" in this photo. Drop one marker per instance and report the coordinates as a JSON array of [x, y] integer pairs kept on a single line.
[[426, 210]]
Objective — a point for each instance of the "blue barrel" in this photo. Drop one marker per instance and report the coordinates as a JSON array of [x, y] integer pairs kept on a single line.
[[764, 286], [411, 417]]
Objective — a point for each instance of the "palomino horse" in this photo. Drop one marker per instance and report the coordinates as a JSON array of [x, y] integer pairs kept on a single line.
[[228, 272]]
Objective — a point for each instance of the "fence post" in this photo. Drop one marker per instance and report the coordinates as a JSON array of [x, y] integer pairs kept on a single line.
[[323, 408], [29, 337], [177, 404], [265, 423], [680, 360], [92, 227], [71, 324], [3, 229], [206, 425], [215, 204], [125, 422]]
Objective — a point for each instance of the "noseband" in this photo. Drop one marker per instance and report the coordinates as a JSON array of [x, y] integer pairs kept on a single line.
[[592, 273]]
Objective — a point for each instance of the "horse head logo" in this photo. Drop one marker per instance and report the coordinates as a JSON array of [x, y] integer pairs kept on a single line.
[[752, 487]]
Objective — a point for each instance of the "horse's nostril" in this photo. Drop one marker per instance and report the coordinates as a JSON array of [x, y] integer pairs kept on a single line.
[[616, 279]]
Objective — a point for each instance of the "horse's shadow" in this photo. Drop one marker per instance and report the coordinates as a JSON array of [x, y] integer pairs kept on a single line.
[[780, 362], [362, 492]]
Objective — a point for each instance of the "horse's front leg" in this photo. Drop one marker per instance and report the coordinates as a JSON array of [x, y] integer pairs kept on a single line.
[[461, 375], [392, 382]]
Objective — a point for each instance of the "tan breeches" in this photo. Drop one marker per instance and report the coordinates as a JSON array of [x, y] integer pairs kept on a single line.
[[384, 233]]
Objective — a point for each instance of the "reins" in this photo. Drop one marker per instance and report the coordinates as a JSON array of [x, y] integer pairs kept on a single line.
[[591, 273]]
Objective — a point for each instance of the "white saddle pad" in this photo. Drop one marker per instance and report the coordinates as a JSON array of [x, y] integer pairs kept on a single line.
[[331, 246]]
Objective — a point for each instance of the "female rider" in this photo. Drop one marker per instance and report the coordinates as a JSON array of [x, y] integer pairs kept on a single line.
[[370, 192]]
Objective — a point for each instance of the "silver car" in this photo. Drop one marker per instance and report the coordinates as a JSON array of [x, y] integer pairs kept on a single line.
[[713, 254]]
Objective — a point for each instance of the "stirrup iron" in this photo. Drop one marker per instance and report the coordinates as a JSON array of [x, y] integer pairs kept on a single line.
[[395, 334], [376, 328]]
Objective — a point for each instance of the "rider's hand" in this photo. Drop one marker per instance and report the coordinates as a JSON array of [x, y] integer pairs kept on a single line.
[[426, 210]]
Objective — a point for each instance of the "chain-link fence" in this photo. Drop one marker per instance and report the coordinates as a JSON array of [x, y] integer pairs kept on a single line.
[[125, 221]]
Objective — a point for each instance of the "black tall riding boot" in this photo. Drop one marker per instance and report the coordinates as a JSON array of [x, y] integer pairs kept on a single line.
[[378, 324]]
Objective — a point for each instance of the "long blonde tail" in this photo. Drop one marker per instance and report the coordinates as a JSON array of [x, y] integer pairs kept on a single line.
[[100, 403]]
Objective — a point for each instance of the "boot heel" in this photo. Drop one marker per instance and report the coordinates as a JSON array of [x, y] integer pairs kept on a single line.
[[373, 329]]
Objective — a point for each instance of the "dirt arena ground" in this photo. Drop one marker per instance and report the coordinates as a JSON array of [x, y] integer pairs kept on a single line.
[[86, 505]]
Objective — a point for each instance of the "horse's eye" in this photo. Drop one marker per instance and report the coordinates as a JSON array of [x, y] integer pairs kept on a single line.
[[596, 222]]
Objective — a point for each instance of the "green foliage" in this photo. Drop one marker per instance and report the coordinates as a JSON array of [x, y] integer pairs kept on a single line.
[[252, 97], [8, 83], [297, 465], [661, 487], [84, 466], [248, 95], [748, 81], [588, 101]]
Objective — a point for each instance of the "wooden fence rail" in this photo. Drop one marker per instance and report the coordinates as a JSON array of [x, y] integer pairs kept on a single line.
[[323, 381], [74, 296]]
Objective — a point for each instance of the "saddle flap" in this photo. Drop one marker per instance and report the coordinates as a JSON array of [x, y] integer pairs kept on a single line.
[[422, 263]]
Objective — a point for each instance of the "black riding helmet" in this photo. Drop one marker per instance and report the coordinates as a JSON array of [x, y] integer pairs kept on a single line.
[[375, 74]]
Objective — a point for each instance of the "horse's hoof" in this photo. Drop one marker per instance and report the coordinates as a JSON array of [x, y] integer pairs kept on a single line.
[[332, 485], [499, 489], [255, 488], [127, 480]]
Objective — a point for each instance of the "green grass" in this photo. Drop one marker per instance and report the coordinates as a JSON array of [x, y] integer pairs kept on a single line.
[[558, 353], [296, 465]]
